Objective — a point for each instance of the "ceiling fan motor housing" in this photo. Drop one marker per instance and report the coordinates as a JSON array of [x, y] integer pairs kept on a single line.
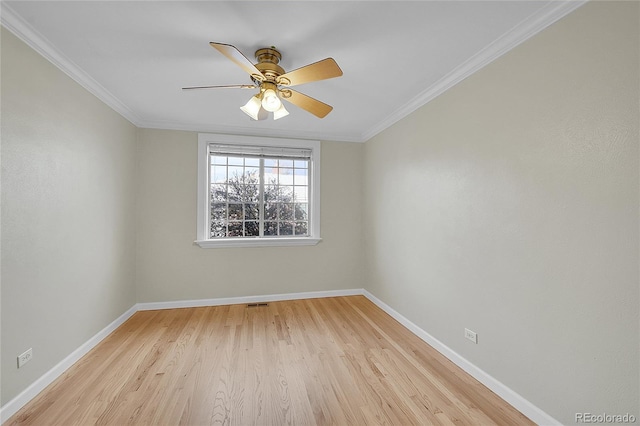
[[268, 59]]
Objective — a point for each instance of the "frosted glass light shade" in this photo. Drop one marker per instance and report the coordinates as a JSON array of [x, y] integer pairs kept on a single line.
[[280, 112], [270, 100], [252, 108]]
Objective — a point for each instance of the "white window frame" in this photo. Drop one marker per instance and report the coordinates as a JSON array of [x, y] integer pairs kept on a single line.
[[205, 140]]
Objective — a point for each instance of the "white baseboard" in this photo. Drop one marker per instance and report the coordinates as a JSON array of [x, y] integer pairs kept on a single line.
[[12, 407], [504, 392], [150, 306], [513, 398]]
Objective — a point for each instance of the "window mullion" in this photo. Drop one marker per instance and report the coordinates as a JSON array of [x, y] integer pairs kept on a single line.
[[261, 200], [226, 188], [209, 199]]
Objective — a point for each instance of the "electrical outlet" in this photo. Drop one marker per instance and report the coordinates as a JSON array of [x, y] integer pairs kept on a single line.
[[471, 335], [25, 357]]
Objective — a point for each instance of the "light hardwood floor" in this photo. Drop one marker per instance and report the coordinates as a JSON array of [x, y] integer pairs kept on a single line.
[[337, 360]]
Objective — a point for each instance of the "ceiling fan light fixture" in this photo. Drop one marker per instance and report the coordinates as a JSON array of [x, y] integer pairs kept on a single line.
[[274, 82], [280, 112], [252, 108], [270, 100]]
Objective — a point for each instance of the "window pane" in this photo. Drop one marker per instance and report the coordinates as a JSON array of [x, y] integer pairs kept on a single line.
[[245, 193], [270, 162], [218, 159], [285, 194], [235, 172], [285, 228], [270, 211], [301, 228], [218, 192], [250, 211], [236, 161], [235, 229], [301, 177], [218, 211], [271, 228], [301, 212], [252, 162], [218, 174], [301, 164], [301, 193], [235, 191], [285, 176], [286, 163], [271, 176], [285, 211], [251, 229], [270, 193], [235, 211], [218, 229], [251, 175]]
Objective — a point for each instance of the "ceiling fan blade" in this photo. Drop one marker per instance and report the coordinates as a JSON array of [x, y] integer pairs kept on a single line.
[[228, 86], [321, 70], [232, 53], [307, 103]]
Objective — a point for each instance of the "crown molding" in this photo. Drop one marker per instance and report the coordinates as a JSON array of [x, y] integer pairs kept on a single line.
[[552, 12], [21, 29]]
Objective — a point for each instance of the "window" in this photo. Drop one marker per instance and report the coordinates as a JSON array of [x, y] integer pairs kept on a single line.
[[255, 191]]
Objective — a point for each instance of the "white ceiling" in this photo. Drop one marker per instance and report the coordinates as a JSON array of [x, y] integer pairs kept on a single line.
[[396, 56]]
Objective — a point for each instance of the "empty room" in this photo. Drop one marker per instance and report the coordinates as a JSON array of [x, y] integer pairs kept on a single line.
[[320, 212]]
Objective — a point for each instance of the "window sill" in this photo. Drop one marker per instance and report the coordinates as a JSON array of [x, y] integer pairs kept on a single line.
[[257, 242]]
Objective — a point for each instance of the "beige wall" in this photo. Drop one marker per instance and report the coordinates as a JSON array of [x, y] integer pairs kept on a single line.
[[509, 205], [170, 267], [68, 210]]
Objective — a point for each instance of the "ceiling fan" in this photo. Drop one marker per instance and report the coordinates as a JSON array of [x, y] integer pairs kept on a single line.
[[274, 83]]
